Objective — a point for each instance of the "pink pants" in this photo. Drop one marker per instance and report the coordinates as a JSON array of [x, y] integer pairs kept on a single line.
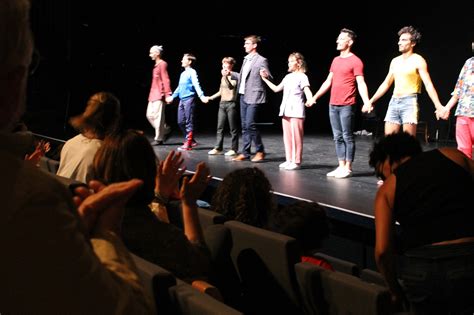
[[465, 134], [293, 138]]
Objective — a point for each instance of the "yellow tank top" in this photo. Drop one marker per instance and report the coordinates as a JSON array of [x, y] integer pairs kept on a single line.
[[407, 79]]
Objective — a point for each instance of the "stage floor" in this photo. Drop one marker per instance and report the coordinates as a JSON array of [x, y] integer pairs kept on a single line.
[[351, 196], [348, 199]]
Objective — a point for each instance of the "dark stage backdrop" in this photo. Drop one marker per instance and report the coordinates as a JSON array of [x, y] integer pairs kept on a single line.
[[86, 46]]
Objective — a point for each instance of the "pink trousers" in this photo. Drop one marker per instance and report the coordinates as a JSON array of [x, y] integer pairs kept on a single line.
[[293, 138], [465, 134]]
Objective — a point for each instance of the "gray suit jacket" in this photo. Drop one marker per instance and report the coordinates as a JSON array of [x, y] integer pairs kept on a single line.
[[255, 88]]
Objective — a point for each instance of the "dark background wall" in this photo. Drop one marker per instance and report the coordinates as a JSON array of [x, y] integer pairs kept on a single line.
[[87, 46]]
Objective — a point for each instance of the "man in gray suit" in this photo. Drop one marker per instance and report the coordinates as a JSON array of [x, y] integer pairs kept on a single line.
[[252, 92]]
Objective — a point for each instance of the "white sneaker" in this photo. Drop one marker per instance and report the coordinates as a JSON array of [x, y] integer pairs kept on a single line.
[[292, 166], [334, 172], [343, 173], [284, 164], [214, 152], [230, 153]]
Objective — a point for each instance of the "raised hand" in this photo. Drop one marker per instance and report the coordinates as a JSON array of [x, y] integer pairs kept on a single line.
[[192, 188], [40, 150], [101, 207], [169, 172]]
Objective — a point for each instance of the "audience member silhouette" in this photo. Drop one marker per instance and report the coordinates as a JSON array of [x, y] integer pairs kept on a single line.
[[430, 195], [308, 224], [130, 155], [100, 118], [52, 261], [245, 195]]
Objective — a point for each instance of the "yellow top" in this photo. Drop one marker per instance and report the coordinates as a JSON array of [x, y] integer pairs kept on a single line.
[[407, 78]]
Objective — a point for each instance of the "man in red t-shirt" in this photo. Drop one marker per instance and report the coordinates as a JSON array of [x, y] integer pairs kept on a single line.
[[346, 70]]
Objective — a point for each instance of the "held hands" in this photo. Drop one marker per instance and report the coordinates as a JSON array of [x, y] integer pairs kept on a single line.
[[442, 112], [169, 99], [204, 99], [264, 73], [367, 108], [310, 102]]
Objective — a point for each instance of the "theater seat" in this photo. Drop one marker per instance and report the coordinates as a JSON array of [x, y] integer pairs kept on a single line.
[[265, 263], [157, 282], [332, 292]]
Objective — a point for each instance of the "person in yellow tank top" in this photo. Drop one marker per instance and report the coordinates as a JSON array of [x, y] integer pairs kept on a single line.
[[407, 71]]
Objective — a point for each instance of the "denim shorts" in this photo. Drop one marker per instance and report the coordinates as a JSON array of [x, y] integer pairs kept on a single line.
[[403, 110]]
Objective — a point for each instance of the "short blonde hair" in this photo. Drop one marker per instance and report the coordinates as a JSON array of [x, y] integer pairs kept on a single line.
[[102, 115]]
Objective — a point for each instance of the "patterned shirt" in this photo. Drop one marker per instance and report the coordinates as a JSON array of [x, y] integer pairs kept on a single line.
[[464, 90]]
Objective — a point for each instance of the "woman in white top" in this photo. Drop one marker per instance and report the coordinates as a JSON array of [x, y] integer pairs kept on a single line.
[[100, 118], [295, 86]]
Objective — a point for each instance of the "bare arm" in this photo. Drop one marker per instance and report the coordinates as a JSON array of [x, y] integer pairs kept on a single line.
[[383, 88], [307, 92], [230, 84], [384, 237], [191, 189], [460, 158], [364, 94], [452, 101], [323, 89], [273, 87], [214, 96], [430, 89]]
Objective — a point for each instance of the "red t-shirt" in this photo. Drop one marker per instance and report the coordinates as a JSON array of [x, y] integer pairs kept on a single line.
[[343, 86]]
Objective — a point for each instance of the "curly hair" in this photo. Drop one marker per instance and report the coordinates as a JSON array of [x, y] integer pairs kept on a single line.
[[395, 147], [415, 34], [245, 195]]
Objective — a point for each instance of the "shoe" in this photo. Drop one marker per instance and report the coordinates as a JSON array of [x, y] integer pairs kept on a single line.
[[333, 173], [230, 153], [292, 166], [194, 143], [343, 173], [258, 157], [185, 147], [215, 152], [240, 157], [284, 164]]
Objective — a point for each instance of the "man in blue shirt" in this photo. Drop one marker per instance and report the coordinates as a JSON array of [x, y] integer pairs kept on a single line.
[[187, 90]]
